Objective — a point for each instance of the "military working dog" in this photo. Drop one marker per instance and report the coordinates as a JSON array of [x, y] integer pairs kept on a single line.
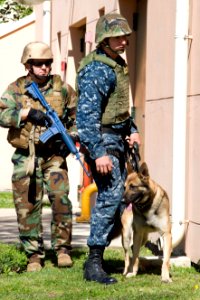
[[147, 211]]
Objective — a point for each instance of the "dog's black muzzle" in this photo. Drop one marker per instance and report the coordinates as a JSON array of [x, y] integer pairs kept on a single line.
[[139, 196], [133, 197]]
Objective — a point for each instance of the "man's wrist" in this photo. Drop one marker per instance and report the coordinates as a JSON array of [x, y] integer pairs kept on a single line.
[[24, 113]]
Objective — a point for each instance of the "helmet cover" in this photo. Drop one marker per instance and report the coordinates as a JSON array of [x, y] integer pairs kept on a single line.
[[36, 50], [111, 25]]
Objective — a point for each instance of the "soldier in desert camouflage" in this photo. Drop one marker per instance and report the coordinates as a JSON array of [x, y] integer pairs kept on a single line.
[[36, 165]]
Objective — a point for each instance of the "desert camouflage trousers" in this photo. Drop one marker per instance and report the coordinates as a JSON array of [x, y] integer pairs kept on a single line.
[[109, 203], [28, 191]]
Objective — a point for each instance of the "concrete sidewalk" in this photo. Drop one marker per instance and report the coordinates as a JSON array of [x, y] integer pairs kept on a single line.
[[9, 229], [80, 232]]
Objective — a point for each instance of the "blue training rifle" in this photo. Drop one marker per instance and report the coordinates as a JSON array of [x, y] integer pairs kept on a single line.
[[57, 126]]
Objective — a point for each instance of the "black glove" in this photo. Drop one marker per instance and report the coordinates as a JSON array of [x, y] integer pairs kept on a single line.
[[38, 117], [74, 136], [60, 148]]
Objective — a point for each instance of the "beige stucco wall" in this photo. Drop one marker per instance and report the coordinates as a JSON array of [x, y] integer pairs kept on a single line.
[[193, 141], [66, 29], [151, 63], [159, 90], [68, 26], [159, 87], [13, 37]]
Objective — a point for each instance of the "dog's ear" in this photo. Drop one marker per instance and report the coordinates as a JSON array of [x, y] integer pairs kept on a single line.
[[144, 171]]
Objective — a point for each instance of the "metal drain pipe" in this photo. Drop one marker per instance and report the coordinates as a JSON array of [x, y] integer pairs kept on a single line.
[[180, 121]]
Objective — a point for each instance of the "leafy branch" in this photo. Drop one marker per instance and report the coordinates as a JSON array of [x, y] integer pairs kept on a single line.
[[13, 11]]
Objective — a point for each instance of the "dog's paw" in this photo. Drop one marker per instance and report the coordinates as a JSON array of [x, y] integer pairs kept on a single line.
[[124, 273], [129, 275], [166, 280]]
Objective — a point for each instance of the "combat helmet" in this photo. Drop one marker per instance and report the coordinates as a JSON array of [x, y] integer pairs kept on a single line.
[[111, 25], [36, 50]]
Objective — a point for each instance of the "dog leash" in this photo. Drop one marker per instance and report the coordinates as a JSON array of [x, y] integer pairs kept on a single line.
[[134, 157]]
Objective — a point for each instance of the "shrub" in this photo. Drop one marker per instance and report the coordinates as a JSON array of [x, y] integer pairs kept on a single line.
[[12, 259]]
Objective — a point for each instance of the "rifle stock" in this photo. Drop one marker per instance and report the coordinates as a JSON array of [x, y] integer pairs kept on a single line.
[[57, 126]]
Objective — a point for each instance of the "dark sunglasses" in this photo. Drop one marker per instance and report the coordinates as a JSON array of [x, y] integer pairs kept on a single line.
[[39, 63]]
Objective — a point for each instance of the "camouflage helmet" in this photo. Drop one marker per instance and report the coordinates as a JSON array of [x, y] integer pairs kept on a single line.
[[36, 50], [111, 25]]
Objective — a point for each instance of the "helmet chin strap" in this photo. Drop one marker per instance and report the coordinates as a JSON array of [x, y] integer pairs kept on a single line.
[[113, 54], [117, 51], [40, 79]]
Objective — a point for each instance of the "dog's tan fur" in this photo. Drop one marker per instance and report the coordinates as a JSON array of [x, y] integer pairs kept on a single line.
[[147, 211]]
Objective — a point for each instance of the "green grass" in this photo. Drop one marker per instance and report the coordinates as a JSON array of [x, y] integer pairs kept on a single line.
[[6, 200], [54, 283]]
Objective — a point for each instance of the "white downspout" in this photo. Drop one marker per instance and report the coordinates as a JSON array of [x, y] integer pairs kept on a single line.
[[46, 22], [46, 5], [179, 122]]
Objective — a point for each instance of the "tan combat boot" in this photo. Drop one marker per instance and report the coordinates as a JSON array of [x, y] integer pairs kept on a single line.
[[34, 264], [64, 259]]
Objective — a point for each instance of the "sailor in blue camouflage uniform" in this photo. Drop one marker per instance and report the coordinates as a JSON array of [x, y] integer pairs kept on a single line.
[[104, 127]]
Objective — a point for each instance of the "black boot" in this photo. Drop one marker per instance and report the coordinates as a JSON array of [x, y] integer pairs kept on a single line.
[[93, 270]]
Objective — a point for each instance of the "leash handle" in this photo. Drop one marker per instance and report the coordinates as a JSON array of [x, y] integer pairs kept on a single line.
[[134, 157]]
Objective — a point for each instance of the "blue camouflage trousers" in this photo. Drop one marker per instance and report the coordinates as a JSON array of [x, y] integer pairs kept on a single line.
[[28, 193], [109, 202]]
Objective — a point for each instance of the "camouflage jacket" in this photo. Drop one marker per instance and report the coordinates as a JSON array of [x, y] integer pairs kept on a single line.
[[15, 98]]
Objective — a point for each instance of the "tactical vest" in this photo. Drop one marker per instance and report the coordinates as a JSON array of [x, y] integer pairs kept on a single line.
[[117, 108], [19, 137]]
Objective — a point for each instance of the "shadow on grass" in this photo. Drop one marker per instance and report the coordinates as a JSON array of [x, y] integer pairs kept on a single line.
[[146, 266], [196, 266]]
